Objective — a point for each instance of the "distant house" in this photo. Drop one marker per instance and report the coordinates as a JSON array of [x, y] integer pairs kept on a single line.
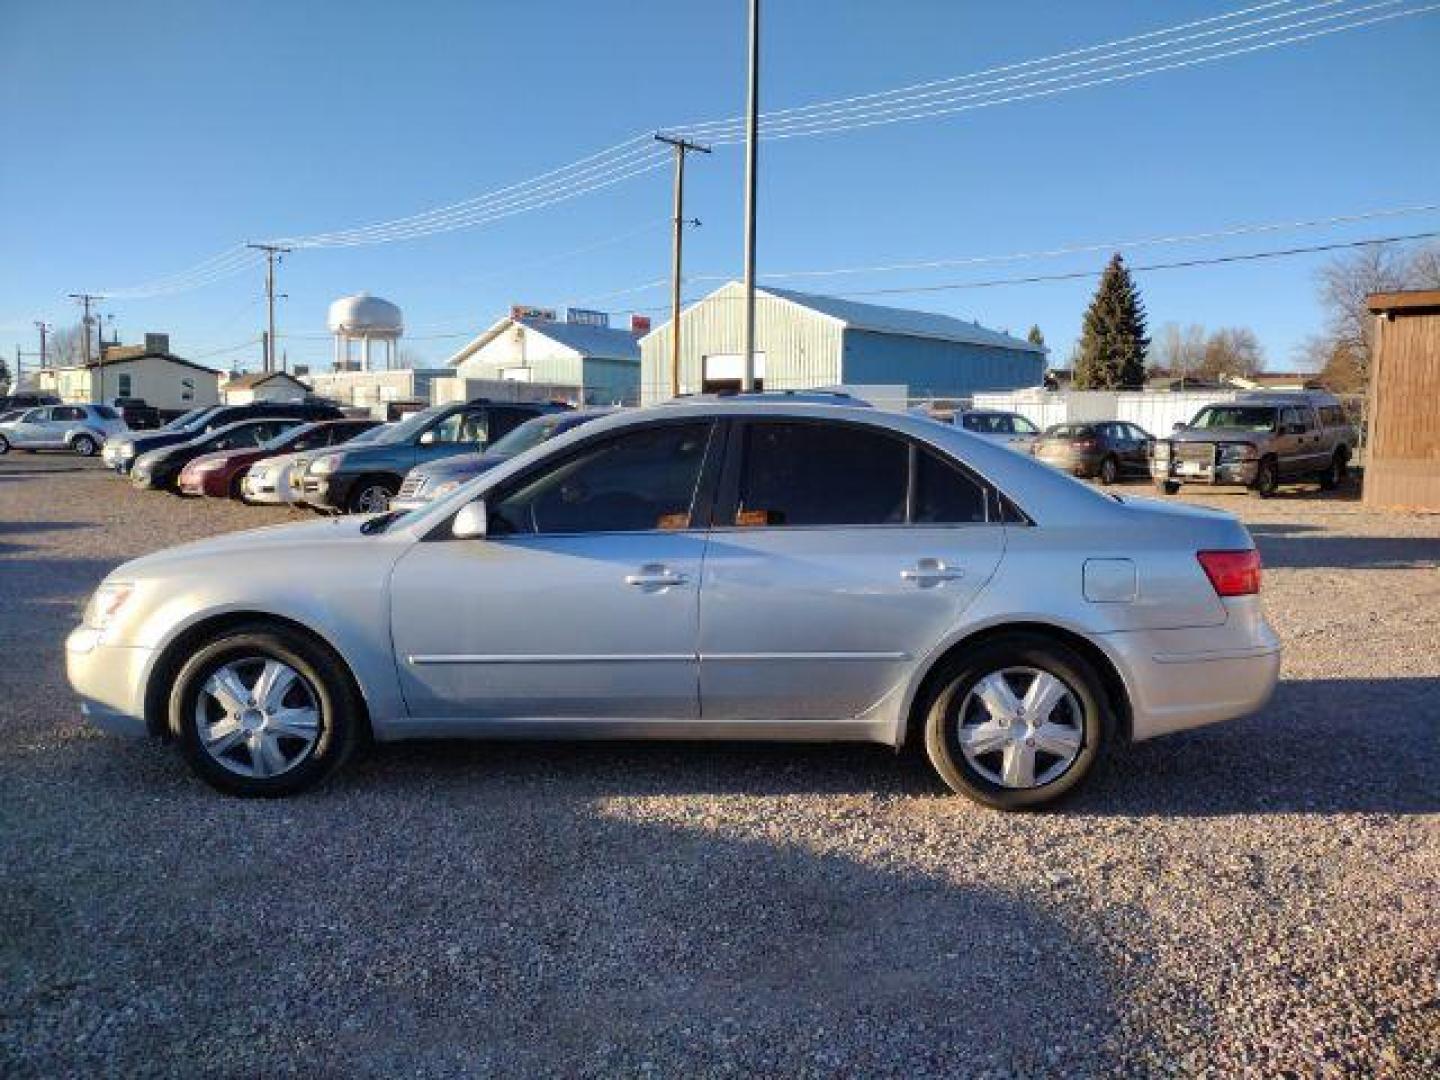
[[597, 364], [149, 371], [805, 341], [263, 386]]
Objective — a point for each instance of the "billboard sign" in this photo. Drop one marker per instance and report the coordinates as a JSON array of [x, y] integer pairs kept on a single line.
[[639, 324], [529, 311], [586, 317]]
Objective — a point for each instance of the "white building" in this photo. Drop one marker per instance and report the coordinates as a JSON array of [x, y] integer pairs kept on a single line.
[[263, 386], [150, 371], [593, 362]]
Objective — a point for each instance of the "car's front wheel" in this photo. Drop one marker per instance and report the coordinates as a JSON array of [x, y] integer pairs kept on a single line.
[[264, 711], [371, 495], [1017, 722], [4, 445], [1109, 471]]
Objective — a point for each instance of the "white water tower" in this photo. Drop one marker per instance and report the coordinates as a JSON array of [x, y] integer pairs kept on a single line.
[[365, 318]]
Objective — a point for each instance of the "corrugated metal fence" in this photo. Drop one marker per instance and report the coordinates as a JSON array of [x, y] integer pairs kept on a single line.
[[1155, 411]]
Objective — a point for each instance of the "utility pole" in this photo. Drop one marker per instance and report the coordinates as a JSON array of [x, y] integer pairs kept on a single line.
[[85, 300], [44, 329], [752, 125], [272, 254], [677, 242]]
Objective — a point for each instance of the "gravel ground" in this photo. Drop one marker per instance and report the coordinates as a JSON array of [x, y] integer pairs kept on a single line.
[[1257, 897]]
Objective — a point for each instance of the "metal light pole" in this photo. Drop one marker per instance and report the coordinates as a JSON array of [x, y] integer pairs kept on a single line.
[[752, 125], [676, 247]]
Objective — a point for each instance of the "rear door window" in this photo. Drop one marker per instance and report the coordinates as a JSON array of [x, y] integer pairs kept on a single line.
[[796, 473], [944, 495]]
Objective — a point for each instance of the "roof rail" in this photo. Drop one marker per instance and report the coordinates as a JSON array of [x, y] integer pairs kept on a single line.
[[805, 397]]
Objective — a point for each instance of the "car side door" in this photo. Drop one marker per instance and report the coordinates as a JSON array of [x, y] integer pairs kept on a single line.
[[581, 601], [841, 554], [31, 430]]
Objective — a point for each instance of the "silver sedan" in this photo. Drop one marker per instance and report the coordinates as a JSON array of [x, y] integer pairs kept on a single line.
[[710, 570]]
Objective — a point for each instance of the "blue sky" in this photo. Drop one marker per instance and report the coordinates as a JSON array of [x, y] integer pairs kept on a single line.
[[140, 138]]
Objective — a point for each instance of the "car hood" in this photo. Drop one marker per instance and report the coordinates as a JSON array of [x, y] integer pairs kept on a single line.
[[460, 467], [1208, 435], [145, 443], [269, 545], [218, 455]]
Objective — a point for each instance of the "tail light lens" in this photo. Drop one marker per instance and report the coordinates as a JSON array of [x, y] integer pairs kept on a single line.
[[1085, 444], [1232, 573]]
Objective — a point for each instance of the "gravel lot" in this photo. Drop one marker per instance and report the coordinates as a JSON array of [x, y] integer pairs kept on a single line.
[[1258, 896]]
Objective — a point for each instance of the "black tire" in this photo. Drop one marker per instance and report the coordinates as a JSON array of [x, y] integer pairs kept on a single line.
[[1169, 487], [1109, 470], [1267, 478], [237, 487], [364, 488], [4, 445], [83, 445], [1335, 473], [950, 690], [340, 711]]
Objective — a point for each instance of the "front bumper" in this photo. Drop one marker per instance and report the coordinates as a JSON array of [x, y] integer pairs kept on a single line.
[[1217, 474], [265, 489], [326, 492], [110, 680], [1181, 679]]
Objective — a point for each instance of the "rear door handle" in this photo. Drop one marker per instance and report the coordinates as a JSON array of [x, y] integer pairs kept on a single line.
[[931, 572], [654, 577]]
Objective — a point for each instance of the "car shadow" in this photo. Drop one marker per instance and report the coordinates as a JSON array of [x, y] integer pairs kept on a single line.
[[1306, 547]]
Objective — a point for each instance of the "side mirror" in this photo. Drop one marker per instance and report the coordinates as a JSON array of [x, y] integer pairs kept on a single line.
[[1179, 425], [471, 522]]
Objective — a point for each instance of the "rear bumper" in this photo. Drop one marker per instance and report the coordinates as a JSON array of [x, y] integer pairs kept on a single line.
[[110, 680], [1181, 679], [1075, 464]]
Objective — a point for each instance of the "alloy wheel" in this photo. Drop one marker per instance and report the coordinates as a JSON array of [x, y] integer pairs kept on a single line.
[[257, 717], [84, 446], [1021, 727], [374, 499]]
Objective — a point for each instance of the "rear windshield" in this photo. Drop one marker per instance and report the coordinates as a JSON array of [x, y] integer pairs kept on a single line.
[[106, 413], [1068, 431], [1235, 417]]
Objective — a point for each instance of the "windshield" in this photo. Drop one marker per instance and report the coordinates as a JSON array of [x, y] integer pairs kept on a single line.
[[1235, 417], [411, 426], [531, 433], [279, 442], [374, 434], [185, 421]]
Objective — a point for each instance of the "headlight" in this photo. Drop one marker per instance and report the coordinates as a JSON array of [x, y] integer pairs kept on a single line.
[[108, 599], [258, 472], [1237, 452], [327, 464], [208, 466], [125, 450], [441, 490]]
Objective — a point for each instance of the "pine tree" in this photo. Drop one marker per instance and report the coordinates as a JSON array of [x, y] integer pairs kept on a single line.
[[1035, 337], [1111, 351]]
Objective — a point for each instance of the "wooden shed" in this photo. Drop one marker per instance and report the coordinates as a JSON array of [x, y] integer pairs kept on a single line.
[[1402, 458]]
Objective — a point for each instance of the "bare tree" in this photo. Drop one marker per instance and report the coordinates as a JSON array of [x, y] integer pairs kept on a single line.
[[1343, 350], [66, 346], [1232, 350], [1178, 351]]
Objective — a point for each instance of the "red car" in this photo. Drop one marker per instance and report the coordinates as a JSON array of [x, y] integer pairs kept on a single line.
[[218, 475]]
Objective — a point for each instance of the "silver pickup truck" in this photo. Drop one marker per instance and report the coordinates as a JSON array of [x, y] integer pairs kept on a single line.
[[1260, 441]]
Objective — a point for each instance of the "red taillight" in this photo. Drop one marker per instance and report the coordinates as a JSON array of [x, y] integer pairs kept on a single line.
[[1233, 573], [1085, 444]]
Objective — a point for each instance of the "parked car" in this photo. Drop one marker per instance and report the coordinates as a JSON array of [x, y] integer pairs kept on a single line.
[[363, 479], [81, 429], [1108, 449], [26, 399], [1010, 429], [220, 473], [120, 454], [138, 416], [431, 481], [867, 576], [269, 479], [159, 470], [1259, 440]]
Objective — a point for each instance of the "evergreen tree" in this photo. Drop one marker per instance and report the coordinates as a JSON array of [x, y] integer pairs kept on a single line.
[[1035, 337], [1111, 351]]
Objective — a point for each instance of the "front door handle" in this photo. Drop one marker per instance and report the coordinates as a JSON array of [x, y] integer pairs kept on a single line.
[[927, 572], [653, 577]]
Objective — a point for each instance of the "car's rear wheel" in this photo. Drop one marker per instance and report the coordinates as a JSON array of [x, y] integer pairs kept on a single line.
[[1267, 478], [1169, 487], [84, 445], [371, 495], [1017, 722], [1335, 473], [4, 445], [264, 711], [1109, 471]]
